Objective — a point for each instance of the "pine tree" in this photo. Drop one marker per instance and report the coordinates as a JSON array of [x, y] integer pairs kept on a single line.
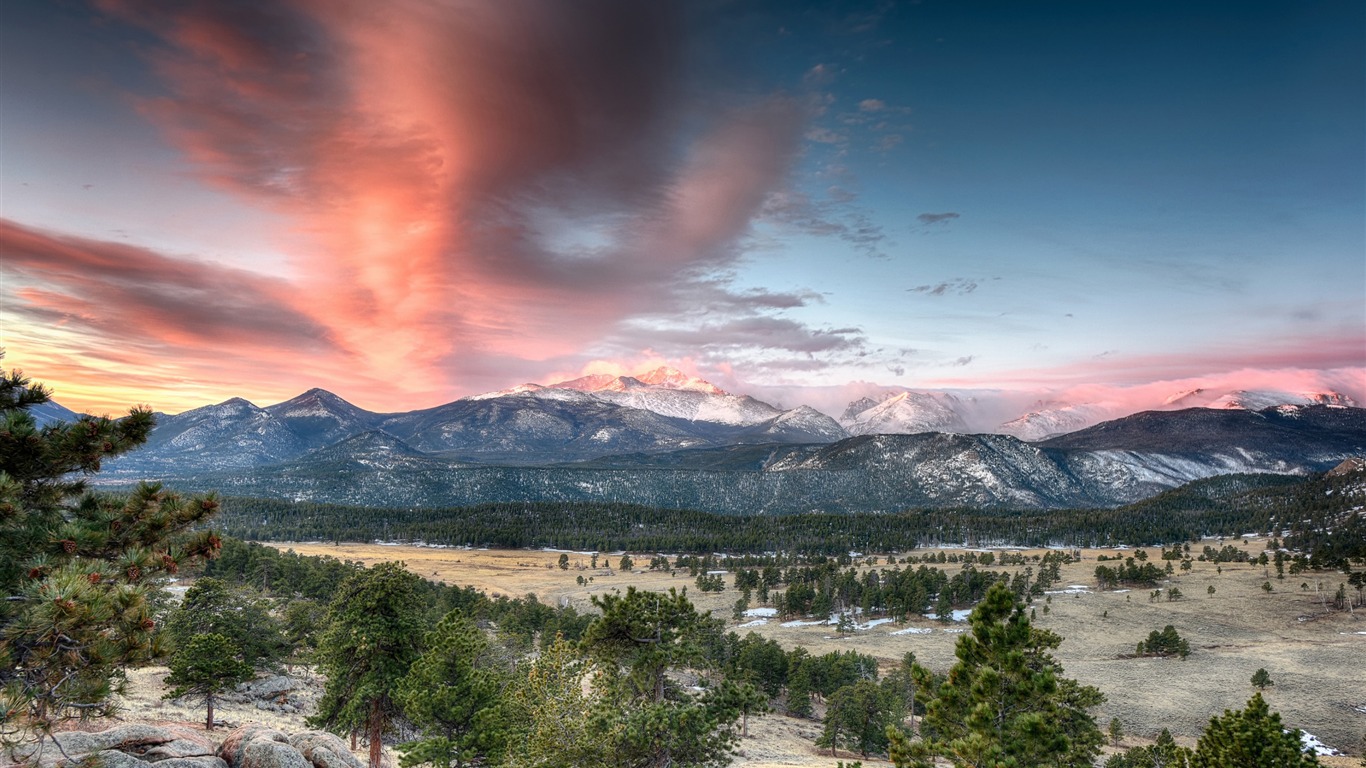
[[1261, 679], [1004, 702], [76, 569], [857, 716], [549, 712], [648, 719], [1116, 732], [1251, 736], [1166, 753], [372, 638], [213, 607], [205, 666], [453, 693], [743, 698]]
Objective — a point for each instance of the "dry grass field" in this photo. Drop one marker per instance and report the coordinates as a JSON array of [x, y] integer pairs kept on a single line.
[[1316, 658]]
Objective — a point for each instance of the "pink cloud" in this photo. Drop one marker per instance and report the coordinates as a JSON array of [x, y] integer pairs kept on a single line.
[[422, 149]]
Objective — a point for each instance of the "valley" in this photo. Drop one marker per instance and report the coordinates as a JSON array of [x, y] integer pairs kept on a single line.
[[1313, 655]]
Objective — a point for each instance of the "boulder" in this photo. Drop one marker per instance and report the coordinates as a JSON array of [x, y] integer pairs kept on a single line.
[[269, 688], [324, 750], [256, 746], [126, 746]]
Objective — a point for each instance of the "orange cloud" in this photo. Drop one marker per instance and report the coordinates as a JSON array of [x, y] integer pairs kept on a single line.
[[428, 152]]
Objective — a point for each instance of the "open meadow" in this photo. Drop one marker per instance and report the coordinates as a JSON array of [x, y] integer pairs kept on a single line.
[[1314, 656]]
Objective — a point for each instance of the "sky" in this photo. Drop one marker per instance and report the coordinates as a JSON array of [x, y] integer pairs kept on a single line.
[[410, 202]]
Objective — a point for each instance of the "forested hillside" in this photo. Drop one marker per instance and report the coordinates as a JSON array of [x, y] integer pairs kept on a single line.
[[1227, 505]]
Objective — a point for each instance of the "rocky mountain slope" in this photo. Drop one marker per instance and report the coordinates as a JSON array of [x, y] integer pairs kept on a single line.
[[531, 424], [1119, 462]]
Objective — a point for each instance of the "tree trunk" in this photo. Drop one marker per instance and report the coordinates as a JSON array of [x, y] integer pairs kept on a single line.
[[208, 718], [375, 732]]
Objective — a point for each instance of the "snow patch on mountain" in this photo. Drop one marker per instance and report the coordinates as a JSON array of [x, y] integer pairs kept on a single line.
[[1055, 420], [1254, 399], [905, 413]]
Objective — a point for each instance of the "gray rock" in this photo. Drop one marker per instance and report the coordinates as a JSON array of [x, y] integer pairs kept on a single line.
[[112, 758], [116, 747], [324, 750], [256, 746], [207, 761]]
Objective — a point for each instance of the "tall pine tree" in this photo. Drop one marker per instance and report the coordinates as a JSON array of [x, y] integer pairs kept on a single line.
[[453, 694], [76, 569], [373, 636], [1005, 703]]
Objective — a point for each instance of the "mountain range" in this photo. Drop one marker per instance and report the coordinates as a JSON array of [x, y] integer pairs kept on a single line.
[[669, 440]]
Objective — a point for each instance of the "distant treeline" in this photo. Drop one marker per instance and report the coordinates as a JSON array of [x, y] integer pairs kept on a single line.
[[1318, 511]]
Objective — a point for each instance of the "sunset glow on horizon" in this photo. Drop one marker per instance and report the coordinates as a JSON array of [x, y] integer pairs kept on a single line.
[[410, 202]]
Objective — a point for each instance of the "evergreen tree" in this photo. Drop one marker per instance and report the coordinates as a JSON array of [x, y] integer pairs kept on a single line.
[[649, 721], [1116, 732], [1163, 754], [213, 607], [452, 693], [1004, 703], [205, 666], [76, 569], [642, 635], [1250, 736], [743, 698], [372, 638], [550, 713], [857, 717], [1168, 642], [799, 687], [1261, 679]]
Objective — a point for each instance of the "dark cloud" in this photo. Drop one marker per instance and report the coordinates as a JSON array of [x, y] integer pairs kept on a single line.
[[832, 217], [960, 286], [936, 218]]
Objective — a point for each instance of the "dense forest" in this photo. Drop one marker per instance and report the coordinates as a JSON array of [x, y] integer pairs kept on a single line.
[[1321, 514]]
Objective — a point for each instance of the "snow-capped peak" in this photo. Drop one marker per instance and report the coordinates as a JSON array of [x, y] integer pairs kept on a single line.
[[672, 378], [1054, 419], [1256, 400], [1184, 396], [663, 377], [905, 413]]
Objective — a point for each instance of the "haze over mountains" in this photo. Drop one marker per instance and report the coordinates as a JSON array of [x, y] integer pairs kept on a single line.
[[670, 440]]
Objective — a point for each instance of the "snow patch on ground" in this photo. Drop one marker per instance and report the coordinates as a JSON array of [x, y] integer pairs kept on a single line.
[[755, 623], [1073, 589], [1312, 744], [960, 614], [913, 631], [765, 612], [799, 623]]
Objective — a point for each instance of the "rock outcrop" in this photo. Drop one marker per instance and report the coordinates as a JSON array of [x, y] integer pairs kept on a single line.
[[256, 746], [125, 746], [154, 746]]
